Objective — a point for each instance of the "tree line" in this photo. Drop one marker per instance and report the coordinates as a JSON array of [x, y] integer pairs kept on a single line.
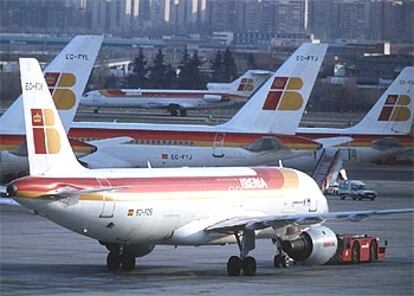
[[188, 74]]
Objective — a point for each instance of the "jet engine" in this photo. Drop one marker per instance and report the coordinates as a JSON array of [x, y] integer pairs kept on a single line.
[[212, 98], [316, 245]]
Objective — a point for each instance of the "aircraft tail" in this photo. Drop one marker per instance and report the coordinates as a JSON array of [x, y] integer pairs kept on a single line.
[[393, 113], [245, 85], [48, 147], [277, 106], [66, 78]]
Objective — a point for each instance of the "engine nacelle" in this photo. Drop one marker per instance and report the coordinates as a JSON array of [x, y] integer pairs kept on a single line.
[[316, 245], [212, 98]]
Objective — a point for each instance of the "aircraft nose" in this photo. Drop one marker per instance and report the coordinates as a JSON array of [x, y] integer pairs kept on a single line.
[[11, 190]]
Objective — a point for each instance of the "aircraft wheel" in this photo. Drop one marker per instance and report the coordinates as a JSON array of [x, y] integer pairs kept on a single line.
[[234, 265], [173, 110], [277, 261], [355, 253], [281, 261], [127, 262], [113, 261], [249, 266], [373, 248], [342, 196], [183, 112]]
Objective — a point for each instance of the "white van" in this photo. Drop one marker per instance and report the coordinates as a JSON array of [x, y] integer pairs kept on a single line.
[[356, 190]]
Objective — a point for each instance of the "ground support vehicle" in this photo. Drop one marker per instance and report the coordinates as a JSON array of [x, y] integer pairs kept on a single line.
[[355, 249], [356, 190]]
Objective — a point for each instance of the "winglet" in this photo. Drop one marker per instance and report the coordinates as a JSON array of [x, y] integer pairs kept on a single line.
[[48, 147], [277, 106]]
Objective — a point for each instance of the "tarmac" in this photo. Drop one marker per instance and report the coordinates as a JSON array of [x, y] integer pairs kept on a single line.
[[38, 257]]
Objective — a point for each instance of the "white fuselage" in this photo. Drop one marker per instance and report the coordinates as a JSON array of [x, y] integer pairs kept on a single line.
[[185, 99], [361, 149], [177, 213]]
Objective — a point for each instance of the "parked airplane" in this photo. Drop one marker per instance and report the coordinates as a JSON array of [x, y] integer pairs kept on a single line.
[[258, 134], [219, 95], [66, 76], [385, 131], [132, 210]]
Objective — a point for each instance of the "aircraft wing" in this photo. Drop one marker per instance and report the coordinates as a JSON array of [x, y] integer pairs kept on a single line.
[[112, 141], [165, 105], [258, 223]]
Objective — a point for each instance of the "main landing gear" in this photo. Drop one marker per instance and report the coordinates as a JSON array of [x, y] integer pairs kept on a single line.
[[175, 109], [280, 260], [117, 259], [244, 263]]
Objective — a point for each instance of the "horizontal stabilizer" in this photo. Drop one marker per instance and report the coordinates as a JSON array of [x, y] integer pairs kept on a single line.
[[70, 195], [8, 202], [334, 141]]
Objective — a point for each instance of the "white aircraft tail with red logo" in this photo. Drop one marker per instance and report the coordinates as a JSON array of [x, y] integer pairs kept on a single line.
[[66, 77], [48, 147], [277, 106], [245, 85], [393, 112]]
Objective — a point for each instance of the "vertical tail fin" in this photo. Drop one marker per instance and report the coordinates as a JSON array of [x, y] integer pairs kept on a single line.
[[393, 112], [277, 106], [48, 147], [245, 85], [66, 77]]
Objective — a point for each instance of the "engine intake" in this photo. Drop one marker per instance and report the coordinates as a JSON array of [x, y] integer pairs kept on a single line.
[[316, 245]]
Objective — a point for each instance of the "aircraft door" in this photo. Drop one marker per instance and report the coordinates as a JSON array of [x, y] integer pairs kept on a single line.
[[218, 145], [108, 204], [312, 204]]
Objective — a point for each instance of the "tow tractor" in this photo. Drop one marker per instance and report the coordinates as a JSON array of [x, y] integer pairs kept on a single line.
[[356, 249]]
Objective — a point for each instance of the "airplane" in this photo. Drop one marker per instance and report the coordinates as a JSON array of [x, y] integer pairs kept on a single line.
[[66, 75], [130, 211], [259, 133], [264, 138], [384, 132], [217, 95]]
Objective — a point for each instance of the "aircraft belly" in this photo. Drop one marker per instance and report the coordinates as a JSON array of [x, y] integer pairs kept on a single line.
[[304, 163]]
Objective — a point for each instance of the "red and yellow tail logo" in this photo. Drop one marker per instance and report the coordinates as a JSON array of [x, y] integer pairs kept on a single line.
[[45, 136], [60, 87], [246, 84], [395, 108], [283, 94]]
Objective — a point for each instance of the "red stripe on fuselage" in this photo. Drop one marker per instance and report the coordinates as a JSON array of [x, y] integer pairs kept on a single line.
[[242, 138], [17, 140], [273, 179], [404, 140]]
